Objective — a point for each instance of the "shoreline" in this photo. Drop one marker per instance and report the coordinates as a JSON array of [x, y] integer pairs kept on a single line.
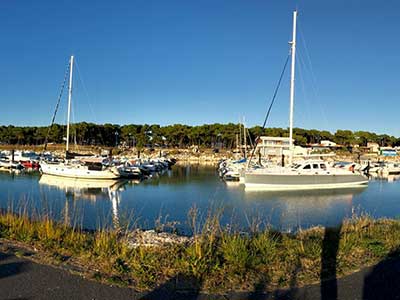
[[189, 155]]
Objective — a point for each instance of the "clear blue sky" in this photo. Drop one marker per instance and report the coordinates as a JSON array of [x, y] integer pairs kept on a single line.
[[196, 62]]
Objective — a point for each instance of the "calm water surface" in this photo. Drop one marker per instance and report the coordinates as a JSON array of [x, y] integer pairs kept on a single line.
[[168, 197]]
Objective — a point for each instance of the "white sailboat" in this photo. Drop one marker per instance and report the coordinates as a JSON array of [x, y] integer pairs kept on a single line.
[[310, 174], [77, 169]]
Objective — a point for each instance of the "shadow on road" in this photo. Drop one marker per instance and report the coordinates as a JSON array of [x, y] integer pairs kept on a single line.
[[328, 277], [180, 287], [383, 282], [258, 292], [10, 268]]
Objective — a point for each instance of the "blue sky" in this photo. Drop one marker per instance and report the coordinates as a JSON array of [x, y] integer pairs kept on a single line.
[[197, 62]]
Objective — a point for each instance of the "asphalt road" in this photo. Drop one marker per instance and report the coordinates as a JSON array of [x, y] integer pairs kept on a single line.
[[23, 279]]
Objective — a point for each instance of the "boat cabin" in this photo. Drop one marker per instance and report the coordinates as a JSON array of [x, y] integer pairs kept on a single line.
[[311, 165]]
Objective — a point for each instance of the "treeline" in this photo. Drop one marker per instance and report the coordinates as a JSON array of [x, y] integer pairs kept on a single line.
[[208, 135]]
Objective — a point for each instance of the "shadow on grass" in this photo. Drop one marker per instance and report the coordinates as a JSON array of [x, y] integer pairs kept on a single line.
[[328, 275]]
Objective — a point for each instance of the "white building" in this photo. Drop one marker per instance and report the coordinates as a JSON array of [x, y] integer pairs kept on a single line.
[[373, 147], [273, 146], [327, 143], [300, 151]]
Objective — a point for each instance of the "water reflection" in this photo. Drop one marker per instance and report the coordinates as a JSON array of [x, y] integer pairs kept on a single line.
[[309, 198], [84, 189], [292, 210], [169, 196], [89, 189]]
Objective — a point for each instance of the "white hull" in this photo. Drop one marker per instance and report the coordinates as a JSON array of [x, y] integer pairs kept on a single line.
[[309, 175], [76, 171]]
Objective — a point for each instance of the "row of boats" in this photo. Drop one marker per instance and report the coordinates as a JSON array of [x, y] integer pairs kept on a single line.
[[85, 167], [19, 160], [105, 168], [384, 168]]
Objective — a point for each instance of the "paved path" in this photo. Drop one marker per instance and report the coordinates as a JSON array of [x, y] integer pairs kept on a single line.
[[23, 279]]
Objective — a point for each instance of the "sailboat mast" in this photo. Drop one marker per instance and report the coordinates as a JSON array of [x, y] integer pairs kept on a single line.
[[240, 136], [292, 73], [69, 98], [245, 138]]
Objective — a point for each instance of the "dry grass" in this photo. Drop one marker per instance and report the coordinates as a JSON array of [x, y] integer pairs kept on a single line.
[[218, 259]]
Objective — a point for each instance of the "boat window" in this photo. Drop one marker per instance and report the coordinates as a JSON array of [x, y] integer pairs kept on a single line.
[[315, 166], [307, 167], [323, 166], [94, 166]]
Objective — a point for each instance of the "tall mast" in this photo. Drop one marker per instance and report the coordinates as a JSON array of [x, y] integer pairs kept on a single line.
[[293, 43], [245, 138], [69, 98], [240, 136]]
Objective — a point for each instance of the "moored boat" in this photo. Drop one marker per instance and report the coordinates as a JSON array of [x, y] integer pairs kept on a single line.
[[86, 169], [308, 174], [10, 165], [79, 169]]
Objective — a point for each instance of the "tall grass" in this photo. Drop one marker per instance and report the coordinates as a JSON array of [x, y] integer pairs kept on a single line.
[[217, 259]]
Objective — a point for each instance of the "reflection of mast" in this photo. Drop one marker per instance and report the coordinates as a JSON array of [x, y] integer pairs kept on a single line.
[[66, 212], [114, 193]]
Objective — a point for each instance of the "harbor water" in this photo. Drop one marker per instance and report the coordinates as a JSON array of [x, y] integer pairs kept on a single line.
[[165, 200]]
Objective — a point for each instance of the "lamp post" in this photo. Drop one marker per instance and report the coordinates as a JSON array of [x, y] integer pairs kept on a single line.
[[116, 138], [129, 140]]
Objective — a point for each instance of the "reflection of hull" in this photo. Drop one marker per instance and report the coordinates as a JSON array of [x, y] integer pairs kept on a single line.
[[291, 210], [74, 183], [275, 182], [308, 195]]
